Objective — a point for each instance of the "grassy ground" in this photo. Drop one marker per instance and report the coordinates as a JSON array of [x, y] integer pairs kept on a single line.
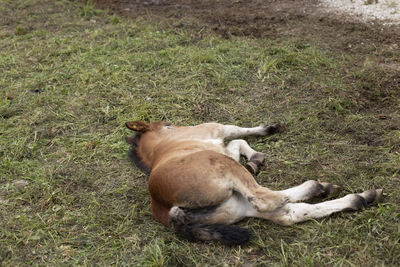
[[70, 76]]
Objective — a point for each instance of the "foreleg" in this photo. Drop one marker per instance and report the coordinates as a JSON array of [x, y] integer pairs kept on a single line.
[[232, 131], [238, 147]]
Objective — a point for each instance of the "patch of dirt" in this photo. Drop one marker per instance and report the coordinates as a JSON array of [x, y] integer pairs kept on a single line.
[[263, 18]]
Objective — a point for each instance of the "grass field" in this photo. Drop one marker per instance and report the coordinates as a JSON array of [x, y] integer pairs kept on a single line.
[[71, 75]]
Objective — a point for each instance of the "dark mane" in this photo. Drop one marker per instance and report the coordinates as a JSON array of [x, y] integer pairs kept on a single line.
[[132, 154]]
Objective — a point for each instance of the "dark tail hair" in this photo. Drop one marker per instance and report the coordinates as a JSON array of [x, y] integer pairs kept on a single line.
[[187, 223]]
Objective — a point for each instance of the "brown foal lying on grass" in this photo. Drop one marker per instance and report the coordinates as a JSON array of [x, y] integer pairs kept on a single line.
[[199, 188]]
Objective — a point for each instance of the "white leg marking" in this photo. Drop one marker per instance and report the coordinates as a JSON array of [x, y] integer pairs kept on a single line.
[[310, 189], [235, 148], [304, 191], [232, 131], [299, 212]]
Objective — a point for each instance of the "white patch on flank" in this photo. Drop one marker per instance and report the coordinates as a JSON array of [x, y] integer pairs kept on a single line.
[[218, 142]]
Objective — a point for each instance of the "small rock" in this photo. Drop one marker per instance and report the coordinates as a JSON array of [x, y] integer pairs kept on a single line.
[[91, 145], [20, 184]]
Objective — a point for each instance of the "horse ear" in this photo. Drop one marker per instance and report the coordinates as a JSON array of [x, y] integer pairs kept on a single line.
[[138, 126]]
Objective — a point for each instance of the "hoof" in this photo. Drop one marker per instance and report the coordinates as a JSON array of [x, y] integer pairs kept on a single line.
[[372, 195], [379, 193], [360, 201], [273, 129], [330, 190], [254, 163], [258, 158], [252, 167]]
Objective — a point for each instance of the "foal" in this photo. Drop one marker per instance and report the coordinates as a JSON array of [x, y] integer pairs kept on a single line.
[[199, 188]]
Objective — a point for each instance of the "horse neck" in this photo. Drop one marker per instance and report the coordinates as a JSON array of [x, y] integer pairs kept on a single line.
[[146, 146]]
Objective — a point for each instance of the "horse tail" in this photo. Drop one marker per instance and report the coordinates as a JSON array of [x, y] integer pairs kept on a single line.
[[188, 224]]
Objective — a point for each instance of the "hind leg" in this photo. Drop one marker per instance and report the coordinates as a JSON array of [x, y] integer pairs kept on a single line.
[[311, 189], [308, 190], [238, 147], [298, 212]]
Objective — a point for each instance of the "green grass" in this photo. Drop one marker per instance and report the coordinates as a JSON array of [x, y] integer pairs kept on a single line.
[[71, 75]]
